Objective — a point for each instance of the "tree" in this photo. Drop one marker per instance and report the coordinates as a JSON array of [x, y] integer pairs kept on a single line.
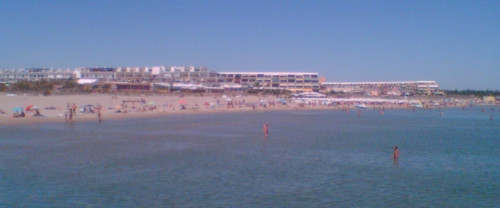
[[3, 87], [70, 85], [469, 92], [21, 86], [43, 86]]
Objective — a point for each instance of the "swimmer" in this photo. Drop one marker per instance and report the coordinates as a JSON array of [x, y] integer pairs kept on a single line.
[[396, 153], [265, 128]]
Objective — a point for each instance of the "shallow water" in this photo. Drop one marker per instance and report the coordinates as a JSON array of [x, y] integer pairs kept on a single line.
[[310, 159]]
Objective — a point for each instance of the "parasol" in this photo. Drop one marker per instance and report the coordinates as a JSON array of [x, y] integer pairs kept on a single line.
[[17, 109]]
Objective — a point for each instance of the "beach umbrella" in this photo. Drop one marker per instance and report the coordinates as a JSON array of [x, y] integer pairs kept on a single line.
[[28, 108], [17, 109], [182, 102]]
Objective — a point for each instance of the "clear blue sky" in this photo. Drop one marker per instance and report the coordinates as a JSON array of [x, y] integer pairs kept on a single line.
[[456, 43]]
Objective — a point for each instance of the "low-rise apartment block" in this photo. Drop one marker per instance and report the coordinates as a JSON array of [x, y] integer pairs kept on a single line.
[[292, 81], [387, 88]]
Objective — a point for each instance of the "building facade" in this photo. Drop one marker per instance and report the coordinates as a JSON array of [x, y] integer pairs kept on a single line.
[[292, 81], [383, 88], [157, 74], [201, 76], [9, 76]]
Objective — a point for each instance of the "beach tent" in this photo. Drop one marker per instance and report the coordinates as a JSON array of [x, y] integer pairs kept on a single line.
[[87, 106], [90, 107]]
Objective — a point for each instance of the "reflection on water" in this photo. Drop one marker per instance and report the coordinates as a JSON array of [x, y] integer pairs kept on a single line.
[[310, 159]]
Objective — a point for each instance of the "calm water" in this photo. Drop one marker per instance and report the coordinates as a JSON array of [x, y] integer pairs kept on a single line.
[[310, 159]]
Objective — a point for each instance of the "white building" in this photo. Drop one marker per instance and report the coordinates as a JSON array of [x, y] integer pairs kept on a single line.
[[389, 88], [292, 81]]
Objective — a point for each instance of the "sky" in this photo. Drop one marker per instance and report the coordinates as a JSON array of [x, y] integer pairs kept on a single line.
[[456, 43]]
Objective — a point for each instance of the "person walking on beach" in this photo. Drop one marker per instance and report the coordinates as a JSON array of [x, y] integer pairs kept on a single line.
[[265, 128], [396, 153]]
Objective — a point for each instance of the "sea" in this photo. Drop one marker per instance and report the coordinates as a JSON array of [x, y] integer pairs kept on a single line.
[[448, 158]]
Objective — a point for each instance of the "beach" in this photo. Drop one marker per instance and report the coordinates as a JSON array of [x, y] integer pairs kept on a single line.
[[55, 108]]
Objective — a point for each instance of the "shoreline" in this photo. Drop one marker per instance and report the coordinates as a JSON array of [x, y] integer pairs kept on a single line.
[[161, 105]]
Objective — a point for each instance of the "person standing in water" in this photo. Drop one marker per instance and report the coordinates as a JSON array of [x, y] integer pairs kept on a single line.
[[265, 128], [70, 115], [396, 153], [99, 116]]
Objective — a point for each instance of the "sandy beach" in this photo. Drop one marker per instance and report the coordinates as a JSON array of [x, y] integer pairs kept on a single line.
[[54, 108]]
